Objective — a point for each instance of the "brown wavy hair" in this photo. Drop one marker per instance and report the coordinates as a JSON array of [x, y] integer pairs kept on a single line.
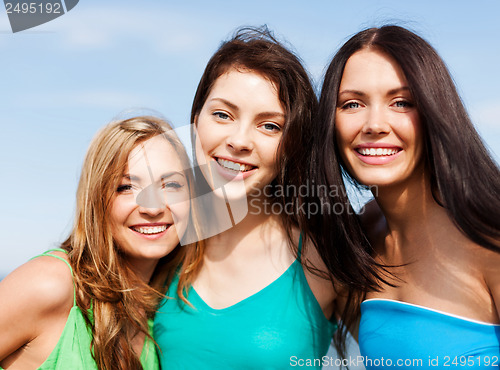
[[116, 302], [339, 238], [258, 50]]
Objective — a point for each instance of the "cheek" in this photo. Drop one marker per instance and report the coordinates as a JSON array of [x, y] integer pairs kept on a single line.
[[412, 134], [343, 136], [269, 159], [203, 146], [273, 155], [115, 215], [199, 153], [180, 213], [270, 147], [209, 134], [115, 223], [180, 208], [120, 211], [418, 132], [419, 147]]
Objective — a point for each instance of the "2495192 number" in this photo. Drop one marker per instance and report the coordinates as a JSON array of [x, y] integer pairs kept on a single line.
[[459, 361], [33, 8]]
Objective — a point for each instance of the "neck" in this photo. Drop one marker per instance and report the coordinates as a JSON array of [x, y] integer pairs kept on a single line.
[[258, 223], [143, 269], [410, 209]]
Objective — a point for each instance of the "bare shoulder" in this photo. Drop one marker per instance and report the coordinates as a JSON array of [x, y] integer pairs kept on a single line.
[[318, 277], [311, 257], [31, 295], [46, 280], [490, 266]]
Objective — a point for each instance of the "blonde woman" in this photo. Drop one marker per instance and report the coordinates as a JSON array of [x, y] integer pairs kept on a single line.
[[89, 304]]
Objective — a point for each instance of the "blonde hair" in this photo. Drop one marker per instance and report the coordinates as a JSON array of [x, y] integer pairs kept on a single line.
[[120, 302]]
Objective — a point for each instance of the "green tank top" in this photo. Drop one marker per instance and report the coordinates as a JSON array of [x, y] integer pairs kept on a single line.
[[72, 351], [278, 327]]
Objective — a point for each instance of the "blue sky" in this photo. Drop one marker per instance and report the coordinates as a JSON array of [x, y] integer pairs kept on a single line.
[[63, 80]]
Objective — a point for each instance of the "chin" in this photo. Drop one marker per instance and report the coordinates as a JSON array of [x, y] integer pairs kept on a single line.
[[231, 191], [379, 181]]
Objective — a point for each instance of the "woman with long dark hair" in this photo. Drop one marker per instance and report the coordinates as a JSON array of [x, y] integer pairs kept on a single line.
[[390, 111], [254, 305]]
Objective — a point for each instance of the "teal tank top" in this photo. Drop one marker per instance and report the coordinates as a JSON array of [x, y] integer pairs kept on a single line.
[[73, 351], [399, 334], [274, 328]]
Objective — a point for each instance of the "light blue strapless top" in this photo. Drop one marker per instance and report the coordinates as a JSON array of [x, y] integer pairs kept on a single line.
[[399, 334], [275, 328]]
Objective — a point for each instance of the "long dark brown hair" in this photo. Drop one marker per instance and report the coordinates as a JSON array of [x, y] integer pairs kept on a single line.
[[464, 178]]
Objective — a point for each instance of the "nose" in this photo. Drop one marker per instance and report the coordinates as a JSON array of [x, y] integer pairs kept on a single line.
[[151, 201], [240, 139], [152, 212], [376, 122]]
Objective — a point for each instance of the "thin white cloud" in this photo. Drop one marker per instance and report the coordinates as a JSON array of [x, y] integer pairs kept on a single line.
[[486, 118], [99, 98], [101, 27], [487, 114]]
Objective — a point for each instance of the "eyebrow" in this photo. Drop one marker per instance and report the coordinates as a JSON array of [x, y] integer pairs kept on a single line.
[[398, 89], [354, 92], [170, 174], [162, 177], [262, 115], [269, 115], [227, 102], [131, 178], [361, 93]]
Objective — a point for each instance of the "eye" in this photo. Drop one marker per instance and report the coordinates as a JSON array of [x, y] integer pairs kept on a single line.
[[124, 188], [403, 105], [221, 115], [271, 127], [173, 185], [351, 105]]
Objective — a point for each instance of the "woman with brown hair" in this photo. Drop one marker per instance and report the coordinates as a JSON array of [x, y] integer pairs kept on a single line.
[[133, 206], [260, 295]]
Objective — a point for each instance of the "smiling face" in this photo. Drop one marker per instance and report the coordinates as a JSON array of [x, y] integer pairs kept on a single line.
[[150, 210], [239, 129], [377, 125]]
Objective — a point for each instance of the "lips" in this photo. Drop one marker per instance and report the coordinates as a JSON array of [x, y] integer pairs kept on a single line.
[[377, 153], [232, 165], [231, 170], [150, 229]]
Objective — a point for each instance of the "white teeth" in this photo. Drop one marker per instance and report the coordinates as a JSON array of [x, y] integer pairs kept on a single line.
[[233, 165], [377, 151], [150, 230]]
